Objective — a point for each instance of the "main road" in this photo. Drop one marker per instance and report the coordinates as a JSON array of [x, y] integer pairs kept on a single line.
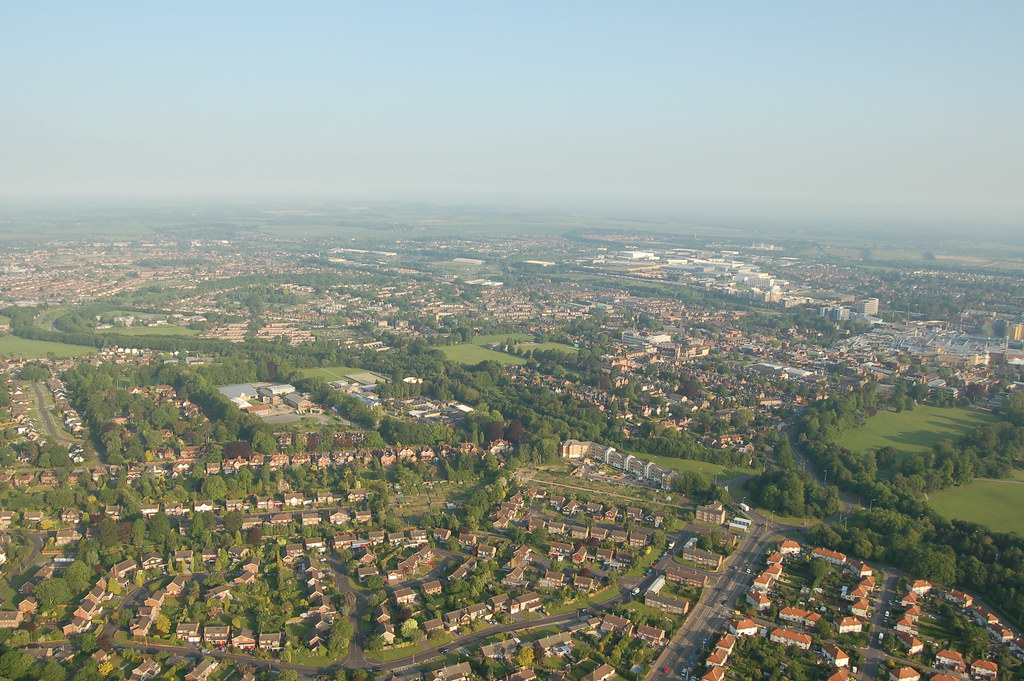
[[717, 601]]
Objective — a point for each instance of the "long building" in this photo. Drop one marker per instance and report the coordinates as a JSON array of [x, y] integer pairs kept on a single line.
[[646, 470]]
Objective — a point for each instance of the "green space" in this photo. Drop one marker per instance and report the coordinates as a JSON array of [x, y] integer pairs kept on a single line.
[[600, 597], [163, 330], [470, 353], [704, 468], [4, 319], [501, 338], [340, 373], [912, 431], [562, 347], [996, 504], [15, 346]]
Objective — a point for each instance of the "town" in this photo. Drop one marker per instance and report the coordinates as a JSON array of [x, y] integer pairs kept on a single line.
[[585, 456]]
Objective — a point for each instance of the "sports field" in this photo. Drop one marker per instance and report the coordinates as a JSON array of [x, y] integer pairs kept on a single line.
[[15, 346], [342, 373], [561, 347], [151, 331], [470, 353], [996, 504], [914, 430]]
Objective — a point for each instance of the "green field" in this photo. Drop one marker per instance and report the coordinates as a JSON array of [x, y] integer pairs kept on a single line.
[[151, 331], [546, 346], [912, 431], [708, 470], [470, 353], [996, 504], [341, 374], [15, 346], [501, 338]]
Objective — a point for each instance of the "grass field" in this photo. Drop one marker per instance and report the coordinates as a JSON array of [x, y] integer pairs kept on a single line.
[[912, 431], [14, 346], [151, 331], [471, 353], [708, 470], [340, 373], [996, 504], [562, 347]]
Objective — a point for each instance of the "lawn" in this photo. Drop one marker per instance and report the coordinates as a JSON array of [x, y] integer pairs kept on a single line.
[[708, 470], [470, 353], [603, 596], [340, 373], [561, 347], [164, 330], [912, 431], [32, 349], [996, 504]]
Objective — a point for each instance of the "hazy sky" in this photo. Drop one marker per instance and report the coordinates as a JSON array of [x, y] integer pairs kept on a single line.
[[917, 105]]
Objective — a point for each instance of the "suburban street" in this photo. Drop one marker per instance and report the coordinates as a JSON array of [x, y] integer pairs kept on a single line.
[[717, 601]]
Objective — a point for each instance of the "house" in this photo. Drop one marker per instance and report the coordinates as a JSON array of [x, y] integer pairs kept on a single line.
[[789, 548], [403, 596], [907, 625], [651, 635], [759, 601], [950, 659], [457, 672], [271, 642], [526, 603], [616, 624], [152, 561], [860, 608], [960, 598], [920, 586], [431, 588], [216, 636], [602, 673], [984, 669], [552, 580], [714, 674], [910, 642], [829, 556], [788, 637], [835, 656], [243, 640], [849, 625], [11, 619], [147, 670], [747, 627], [188, 632], [203, 670], [904, 674]]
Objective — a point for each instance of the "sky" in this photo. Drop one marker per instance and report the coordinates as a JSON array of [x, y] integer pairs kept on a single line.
[[908, 107]]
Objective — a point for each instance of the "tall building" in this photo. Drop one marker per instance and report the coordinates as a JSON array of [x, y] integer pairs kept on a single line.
[[1015, 331], [868, 306]]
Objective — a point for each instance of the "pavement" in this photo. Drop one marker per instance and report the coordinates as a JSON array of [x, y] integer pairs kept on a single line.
[[717, 601]]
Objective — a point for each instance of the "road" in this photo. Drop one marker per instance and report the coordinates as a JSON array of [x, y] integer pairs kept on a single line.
[[44, 410], [849, 501], [717, 601]]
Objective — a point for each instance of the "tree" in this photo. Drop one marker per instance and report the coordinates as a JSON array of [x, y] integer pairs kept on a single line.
[[215, 488], [52, 593], [525, 656], [163, 625], [14, 664], [410, 629]]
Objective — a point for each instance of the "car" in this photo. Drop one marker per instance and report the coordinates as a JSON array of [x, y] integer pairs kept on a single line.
[[442, 651], [666, 670], [724, 601]]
